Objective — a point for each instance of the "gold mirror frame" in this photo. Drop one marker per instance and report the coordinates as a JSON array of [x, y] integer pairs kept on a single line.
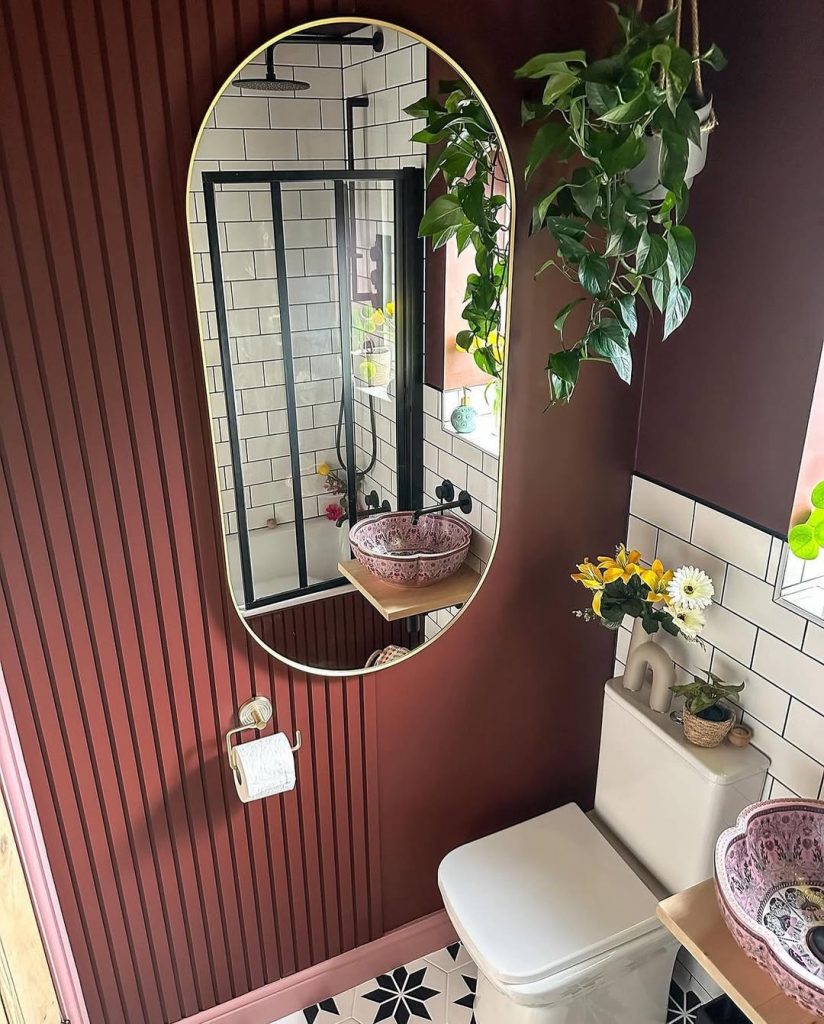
[[381, 23]]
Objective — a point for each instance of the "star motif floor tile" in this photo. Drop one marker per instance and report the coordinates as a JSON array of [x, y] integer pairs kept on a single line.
[[415, 992]]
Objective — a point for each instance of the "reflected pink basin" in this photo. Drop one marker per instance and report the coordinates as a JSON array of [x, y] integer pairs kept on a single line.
[[769, 877], [394, 550]]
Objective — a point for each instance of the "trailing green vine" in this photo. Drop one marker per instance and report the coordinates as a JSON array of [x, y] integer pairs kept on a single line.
[[470, 210], [616, 244]]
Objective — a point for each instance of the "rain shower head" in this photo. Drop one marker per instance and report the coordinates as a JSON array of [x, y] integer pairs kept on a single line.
[[271, 82]]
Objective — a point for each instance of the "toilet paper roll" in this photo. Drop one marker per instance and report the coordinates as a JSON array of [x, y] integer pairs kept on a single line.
[[264, 767]]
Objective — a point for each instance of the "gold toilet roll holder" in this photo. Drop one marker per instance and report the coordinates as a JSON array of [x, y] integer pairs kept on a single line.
[[256, 713]]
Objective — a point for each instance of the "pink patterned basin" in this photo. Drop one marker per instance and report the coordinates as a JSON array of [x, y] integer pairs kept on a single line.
[[769, 877], [394, 550]]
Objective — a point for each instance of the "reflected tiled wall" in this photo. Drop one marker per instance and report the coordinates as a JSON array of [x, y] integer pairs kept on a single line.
[[254, 131]]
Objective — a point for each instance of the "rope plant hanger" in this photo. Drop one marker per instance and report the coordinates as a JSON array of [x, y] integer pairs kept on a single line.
[[633, 126]]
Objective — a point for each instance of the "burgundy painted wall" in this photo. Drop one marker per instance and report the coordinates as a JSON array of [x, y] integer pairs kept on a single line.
[[727, 397], [122, 652]]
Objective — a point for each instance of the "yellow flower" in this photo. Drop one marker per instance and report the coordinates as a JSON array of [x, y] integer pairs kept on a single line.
[[623, 567], [589, 575], [378, 319], [323, 469], [657, 580], [596, 601], [390, 308]]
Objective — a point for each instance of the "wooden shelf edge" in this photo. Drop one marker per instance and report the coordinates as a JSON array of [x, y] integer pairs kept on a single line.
[[395, 602], [693, 917]]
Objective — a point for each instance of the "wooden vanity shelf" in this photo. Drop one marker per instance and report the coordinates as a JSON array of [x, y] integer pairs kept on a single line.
[[394, 602], [694, 919]]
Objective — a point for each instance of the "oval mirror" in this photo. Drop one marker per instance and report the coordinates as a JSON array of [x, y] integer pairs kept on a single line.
[[350, 220]]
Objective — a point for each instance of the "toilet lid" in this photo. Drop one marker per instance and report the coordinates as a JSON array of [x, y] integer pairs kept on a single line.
[[543, 896]]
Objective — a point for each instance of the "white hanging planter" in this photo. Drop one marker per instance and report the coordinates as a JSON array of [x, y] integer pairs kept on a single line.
[[645, 179]]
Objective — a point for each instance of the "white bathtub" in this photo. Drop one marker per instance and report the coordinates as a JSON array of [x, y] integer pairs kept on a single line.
[[273, 553]]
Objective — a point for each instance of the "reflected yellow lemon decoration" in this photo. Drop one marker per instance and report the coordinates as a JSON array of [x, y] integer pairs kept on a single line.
[[323, 469], [368, 370]]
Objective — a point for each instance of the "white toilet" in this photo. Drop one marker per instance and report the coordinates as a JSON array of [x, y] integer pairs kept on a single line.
[[559, 912]]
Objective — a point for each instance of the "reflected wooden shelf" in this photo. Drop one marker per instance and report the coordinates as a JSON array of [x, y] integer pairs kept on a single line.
[[694, 919], [395, 602]]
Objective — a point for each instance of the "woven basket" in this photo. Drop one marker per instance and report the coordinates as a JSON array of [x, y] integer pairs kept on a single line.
[[704, 733]]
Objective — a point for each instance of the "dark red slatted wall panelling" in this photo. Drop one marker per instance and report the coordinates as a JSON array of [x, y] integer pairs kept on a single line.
[[122, 652], [337, 633]]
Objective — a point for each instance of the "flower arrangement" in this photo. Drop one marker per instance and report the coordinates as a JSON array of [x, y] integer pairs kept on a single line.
[[670, 599], [334, 482], [334, 511]]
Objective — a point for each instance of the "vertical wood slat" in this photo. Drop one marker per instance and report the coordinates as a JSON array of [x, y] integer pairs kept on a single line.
[[124, 659]]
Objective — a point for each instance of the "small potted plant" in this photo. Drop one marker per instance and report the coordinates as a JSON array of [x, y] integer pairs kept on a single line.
[[372, 361], [706, 720]]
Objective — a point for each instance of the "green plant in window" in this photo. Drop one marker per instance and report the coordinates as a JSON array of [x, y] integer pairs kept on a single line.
[[474, 210], [807, 538], [615, 241]]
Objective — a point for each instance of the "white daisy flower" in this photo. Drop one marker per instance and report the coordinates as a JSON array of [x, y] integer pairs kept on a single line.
[[690, 621], [691, 587]]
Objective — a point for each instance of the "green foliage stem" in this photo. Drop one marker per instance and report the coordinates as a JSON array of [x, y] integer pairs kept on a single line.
[[705, 693], [470, 211], [617, 245]]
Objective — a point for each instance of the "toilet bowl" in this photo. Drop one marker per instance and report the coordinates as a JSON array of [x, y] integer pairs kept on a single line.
[[560, 927], [560, 915]]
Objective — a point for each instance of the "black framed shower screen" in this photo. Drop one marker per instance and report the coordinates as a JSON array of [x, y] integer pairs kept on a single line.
[[407, 186]]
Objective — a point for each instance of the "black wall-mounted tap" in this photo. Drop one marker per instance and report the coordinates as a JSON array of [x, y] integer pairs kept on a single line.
[[446, 490], [373, 505]]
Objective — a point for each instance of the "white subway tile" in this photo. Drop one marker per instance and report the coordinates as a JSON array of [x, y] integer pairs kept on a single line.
[[481, 546], [452, 469], [269, 446], [243, 322], [241, 112], [322, 145], [294, 112], [793, 671], [763, 700], [252, 425], [734, 635], [467, 453], [256, 234], [317, 204], [419, 59], [325, 83], [675, 552], [643, 537], [221, 144], [661, 507], [729, 538], [238, 266], [248, 375], [788, 764], [491, 466], [774, 560], [431, 401], [805, 729], [248, 294], [300, 234], [753, 598], [271, 144], [781, 792], [814, 641], [489, 521], [482, 488], [232, 206]]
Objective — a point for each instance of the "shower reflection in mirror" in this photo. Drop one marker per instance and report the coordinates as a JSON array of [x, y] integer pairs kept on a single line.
[[306, 194]]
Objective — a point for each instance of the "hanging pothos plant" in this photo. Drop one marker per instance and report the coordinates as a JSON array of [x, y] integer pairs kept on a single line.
[[470, 210], [615, 243]]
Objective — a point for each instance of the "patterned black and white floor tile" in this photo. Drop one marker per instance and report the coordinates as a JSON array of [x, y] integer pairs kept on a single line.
[[441, 988]]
